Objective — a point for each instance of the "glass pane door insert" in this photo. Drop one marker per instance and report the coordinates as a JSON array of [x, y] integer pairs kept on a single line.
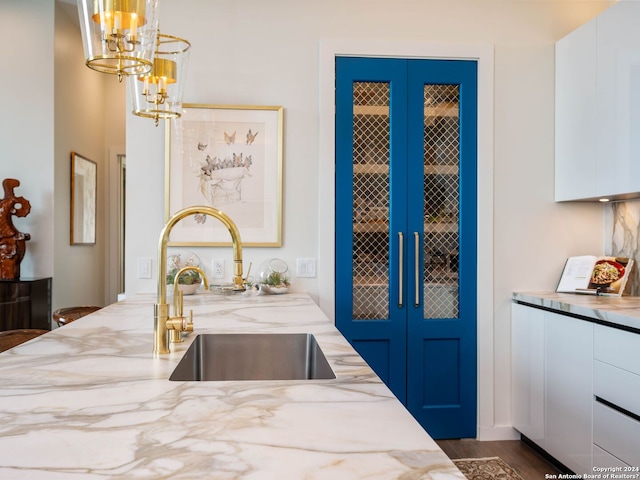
[[371, 188], [441, 200]]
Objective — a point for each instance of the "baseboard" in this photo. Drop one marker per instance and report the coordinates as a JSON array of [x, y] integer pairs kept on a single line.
[[499, 432]]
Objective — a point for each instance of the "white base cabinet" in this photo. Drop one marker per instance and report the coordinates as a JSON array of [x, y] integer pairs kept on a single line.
[[568, 390], [552, 365], [616, 396], [527, 368]]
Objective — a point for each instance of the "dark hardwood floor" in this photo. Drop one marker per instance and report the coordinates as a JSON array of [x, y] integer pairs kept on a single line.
[[520, 456]]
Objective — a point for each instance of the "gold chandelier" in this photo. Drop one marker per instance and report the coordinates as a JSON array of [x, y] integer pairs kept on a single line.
[[119, 36], [158, 93]]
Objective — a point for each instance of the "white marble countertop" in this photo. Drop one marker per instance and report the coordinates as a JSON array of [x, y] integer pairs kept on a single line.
[[90, 401], [623, 311]]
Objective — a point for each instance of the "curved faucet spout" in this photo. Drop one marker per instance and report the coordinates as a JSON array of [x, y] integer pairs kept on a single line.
[[177, 303], [161, 309]]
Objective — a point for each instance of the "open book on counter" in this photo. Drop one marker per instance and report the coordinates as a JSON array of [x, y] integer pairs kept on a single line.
[[595, 275]]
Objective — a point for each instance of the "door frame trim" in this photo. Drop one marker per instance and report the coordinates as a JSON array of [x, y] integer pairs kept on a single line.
[[115, 235], [484, 54]]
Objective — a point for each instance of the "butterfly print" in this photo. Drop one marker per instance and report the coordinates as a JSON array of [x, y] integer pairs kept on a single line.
[[229, 139], [251, 137]]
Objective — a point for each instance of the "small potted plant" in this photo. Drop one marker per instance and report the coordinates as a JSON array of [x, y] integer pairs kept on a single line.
[[274, 276], [190, 280]]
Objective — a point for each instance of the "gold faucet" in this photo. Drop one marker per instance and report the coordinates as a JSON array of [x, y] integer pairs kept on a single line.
[[162, 323]]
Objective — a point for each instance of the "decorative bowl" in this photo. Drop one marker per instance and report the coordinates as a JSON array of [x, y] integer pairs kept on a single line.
[[185, 289]]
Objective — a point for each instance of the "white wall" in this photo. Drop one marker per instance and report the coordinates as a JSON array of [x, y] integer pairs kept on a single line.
[[26, 123], [253, 52], [89, 119], [533, 235], [52, 105]]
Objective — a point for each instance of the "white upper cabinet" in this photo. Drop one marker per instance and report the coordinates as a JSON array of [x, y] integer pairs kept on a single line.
[[576, 90], [597, 150], [619, 98]]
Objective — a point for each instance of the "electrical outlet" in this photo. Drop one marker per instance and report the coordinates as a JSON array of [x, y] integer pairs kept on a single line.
[[144, 268], [306, 267], [217, 268]]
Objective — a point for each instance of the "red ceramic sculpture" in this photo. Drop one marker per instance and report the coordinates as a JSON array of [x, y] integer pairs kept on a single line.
[[13, 244]]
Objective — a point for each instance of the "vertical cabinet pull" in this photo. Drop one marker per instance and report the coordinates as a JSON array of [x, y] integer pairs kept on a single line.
[[400, 263], [416, 237]]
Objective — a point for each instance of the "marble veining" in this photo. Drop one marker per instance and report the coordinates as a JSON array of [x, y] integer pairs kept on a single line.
[[89, 401], [623, 311], [625, 237]]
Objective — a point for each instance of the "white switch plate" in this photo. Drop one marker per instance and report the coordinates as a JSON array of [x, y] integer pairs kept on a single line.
[[217, 268], [144, 268], [306, 267]]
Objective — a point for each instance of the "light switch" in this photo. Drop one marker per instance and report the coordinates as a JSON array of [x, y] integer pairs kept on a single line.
[[144, 268], [306, 267]]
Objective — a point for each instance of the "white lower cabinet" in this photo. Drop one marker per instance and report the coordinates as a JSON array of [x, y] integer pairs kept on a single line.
[[569, 387], [616, 433], [527, 372], [603, 459], [616, 391], [552, 378]]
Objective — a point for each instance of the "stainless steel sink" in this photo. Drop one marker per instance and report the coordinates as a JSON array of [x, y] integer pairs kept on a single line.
[[253, 356]]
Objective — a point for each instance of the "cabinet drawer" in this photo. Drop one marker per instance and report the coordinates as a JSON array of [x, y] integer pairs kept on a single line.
[[616, 433], [602, 459], [617, 386], [617, 347]]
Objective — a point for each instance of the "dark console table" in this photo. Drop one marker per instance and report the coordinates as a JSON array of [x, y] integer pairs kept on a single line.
[[25, 303]]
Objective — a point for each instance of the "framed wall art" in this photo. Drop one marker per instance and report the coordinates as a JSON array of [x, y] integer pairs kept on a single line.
[[84, 181], [228, 158]]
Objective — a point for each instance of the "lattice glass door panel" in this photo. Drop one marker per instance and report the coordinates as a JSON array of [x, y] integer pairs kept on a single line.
[[371, 189], [441, 200]]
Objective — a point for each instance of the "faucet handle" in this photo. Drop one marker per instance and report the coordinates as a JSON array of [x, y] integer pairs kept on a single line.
[[175, 325], [188, 327]]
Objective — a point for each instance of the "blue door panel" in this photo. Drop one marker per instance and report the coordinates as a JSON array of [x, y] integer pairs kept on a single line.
[[441, 371], [393, 328], [442, 352], [377, 354], [429, 364]]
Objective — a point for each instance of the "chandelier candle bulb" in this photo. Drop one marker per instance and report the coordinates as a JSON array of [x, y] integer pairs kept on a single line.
[[106, 20], [117, 22], [133, 30]]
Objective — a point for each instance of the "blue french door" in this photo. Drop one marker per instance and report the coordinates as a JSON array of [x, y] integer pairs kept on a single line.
[[406, 230]]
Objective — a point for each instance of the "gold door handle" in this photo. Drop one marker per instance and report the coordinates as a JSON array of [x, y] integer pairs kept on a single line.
[[416, 237], [400, 263]]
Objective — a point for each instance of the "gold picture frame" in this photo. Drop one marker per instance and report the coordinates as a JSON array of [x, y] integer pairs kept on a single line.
[[84, 190], [228, 157]]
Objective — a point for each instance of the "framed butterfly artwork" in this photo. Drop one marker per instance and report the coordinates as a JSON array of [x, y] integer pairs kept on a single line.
[[227, 157]]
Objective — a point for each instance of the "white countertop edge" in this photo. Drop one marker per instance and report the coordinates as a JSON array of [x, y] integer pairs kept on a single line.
[[618, 311]]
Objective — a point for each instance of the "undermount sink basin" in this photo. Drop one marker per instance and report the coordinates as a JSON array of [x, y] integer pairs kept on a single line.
[[253, 356]]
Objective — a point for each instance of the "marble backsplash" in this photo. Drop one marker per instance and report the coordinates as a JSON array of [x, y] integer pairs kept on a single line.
[[622, 220]]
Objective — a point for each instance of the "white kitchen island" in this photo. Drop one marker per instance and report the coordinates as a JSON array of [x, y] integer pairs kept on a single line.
[[90, 401]]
